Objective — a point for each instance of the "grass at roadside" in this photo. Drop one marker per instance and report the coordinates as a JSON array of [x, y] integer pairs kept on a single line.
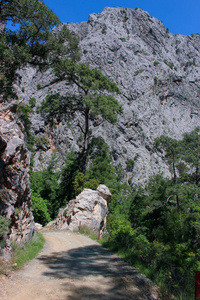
[[28, 251], [22, 254]]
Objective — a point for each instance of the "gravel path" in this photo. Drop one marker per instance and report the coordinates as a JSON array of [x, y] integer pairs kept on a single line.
[[72, 266]]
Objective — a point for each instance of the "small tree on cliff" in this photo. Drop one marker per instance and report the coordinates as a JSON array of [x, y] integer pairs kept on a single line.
[[93, 97]]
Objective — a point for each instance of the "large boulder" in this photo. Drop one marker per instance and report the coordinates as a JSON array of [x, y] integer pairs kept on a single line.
[[88, 209]]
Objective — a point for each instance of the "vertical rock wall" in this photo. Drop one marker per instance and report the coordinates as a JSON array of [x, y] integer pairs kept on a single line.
[[15, 194]]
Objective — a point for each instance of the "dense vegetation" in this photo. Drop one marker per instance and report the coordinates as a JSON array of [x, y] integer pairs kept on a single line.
[[157, 228]]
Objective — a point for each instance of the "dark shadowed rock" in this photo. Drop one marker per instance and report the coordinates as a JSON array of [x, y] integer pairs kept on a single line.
[[15, 194]]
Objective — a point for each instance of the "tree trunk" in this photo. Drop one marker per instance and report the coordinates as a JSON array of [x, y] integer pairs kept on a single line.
[[86, 136], [174, 171]]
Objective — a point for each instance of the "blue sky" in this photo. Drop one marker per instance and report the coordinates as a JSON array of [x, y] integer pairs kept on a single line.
[[180, 16]]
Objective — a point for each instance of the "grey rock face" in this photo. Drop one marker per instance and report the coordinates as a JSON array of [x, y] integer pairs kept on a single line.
[[157, 73], [104, 192], [88, 209], [15, 194]]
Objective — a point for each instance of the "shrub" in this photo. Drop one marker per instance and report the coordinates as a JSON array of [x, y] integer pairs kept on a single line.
[[122, 39], [130, 165], [40, 210], [32, 102], [4, 224], [41, 141], [104, 30], [138, 71]]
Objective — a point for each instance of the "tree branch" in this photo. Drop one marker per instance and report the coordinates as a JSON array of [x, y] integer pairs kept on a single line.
[[81, 128]]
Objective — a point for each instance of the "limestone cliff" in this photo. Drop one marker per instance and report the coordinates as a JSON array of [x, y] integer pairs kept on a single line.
[[157, 73]]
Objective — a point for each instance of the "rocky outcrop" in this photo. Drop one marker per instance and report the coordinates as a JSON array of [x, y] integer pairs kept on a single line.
[[158, 75], [15, 195], [88, 209]]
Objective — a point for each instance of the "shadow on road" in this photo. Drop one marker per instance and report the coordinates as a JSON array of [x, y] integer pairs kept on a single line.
[[95, 265]]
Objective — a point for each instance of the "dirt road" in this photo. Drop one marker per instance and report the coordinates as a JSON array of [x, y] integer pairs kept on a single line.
[[72, 266]]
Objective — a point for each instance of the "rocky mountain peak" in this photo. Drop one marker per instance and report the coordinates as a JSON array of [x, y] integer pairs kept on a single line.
[[157, 73]]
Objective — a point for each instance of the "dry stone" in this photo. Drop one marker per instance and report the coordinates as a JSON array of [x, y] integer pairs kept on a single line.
[[88, 209]]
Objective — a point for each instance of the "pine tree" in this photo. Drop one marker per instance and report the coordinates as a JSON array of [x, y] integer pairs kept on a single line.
[[93, 97]]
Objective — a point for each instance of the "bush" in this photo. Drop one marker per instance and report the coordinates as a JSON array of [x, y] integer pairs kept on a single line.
[[32, 102], [4, 224], [40, 210], [130, 165], [41, 141]]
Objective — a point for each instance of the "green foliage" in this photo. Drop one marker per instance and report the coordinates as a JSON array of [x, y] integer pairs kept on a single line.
[[33, 42], [18, 47], [130, 165], [169, 64], [100, 170], [32, 102], [41, 141], [93, 99], [104, 30], [155, 63], [191, 151], [44, 185], [122, 39], [23, 112], [17, 211], [79, 183], [24, 254], [40, 209], [157, 228], [68, 174], [4, 224], [138, 71], [172, 151], [101, 162]]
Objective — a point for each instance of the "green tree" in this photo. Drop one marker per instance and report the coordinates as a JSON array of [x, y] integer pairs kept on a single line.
[[191, 151], [100, 170], [45, 185], [31, 41], [171, 148], [92, 98]]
